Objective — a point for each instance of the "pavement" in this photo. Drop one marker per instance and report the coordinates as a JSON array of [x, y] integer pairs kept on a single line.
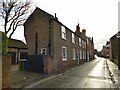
[[114, 73], [20, 78]]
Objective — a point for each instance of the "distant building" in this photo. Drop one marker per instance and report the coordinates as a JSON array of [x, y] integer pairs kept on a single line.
[[106, 50], [62, 48], [17, 49]]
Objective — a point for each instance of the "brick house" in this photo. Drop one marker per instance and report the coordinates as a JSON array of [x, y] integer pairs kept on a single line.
[[17, 49], [114, 48], [105, 52], [90, 49], [63, 47]]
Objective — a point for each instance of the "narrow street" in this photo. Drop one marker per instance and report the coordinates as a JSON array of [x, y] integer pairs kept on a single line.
[[93, 74]]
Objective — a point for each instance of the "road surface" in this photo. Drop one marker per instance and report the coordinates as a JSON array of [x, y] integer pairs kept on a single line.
[[93, 74]]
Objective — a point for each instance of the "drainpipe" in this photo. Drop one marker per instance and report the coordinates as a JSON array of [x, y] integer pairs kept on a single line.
[[49, 43], [36, 42]]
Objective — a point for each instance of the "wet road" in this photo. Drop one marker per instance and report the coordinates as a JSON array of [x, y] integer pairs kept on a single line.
[[93, 74]]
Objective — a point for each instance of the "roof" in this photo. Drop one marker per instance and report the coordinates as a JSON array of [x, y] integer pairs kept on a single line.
[[13, 43], [56, 19], [115, 36], [37, 8]]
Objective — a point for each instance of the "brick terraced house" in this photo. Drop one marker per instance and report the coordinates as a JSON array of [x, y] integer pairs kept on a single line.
[[114, 48], [90, 49], [105, 52], [62, 48]]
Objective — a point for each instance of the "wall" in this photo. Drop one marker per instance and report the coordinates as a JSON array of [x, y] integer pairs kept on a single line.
[[114, 49], [6, 82], [59, 42], [37, 23]]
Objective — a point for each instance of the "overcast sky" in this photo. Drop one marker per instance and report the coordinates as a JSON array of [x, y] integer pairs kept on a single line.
[[98, 17]]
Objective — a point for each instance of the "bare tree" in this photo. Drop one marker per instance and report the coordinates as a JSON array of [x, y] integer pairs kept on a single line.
[[13, 13]]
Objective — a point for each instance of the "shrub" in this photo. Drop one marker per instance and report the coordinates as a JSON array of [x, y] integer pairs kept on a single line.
[[3, 43]]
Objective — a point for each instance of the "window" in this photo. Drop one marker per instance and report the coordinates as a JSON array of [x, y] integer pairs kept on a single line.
[[73, 38], [80, 54], [87, 41], [83, 44], [74, 54], [64, 53], [83, 55], [63, 32], [80, 41]]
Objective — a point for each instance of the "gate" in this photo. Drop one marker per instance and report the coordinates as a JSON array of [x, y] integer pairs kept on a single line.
[[35, 63]]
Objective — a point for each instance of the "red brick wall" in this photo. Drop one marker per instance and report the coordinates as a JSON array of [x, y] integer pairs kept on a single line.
[[59, 42], [6, 82], [37, 23]]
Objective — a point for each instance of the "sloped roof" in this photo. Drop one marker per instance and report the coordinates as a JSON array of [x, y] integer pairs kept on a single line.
[[13, 43]]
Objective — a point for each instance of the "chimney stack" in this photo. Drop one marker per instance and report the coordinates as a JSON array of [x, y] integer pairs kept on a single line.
[[78, 28], [84, 32]]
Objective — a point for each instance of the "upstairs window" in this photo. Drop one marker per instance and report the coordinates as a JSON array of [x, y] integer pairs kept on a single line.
[[87, 41], [80, 41], [73, 38], [83, 44], [64, 53], [63, 31]]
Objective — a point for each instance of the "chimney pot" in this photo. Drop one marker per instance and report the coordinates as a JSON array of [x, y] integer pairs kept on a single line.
[[84, 32]]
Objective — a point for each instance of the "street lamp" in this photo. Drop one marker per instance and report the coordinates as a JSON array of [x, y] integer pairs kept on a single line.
[[118, 37]]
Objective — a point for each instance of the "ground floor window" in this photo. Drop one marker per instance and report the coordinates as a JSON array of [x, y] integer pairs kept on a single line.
[[80, 54], [74, 54], [83, 55], [64, 53]]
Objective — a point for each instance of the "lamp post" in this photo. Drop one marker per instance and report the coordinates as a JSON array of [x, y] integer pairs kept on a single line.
[[118, 37]]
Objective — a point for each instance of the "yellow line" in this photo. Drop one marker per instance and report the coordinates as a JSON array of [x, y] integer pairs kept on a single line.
[[43, 80]]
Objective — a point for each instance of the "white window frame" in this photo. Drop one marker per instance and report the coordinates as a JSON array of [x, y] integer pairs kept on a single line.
[[64, 53], [73, 38], [85, 44], [80, 41], [83, 54], [63, 32], [74, 54], [87, 41], [82, 44], [80, 54]]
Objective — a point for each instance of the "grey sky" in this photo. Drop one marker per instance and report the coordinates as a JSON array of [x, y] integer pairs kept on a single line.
[[98, 17]]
